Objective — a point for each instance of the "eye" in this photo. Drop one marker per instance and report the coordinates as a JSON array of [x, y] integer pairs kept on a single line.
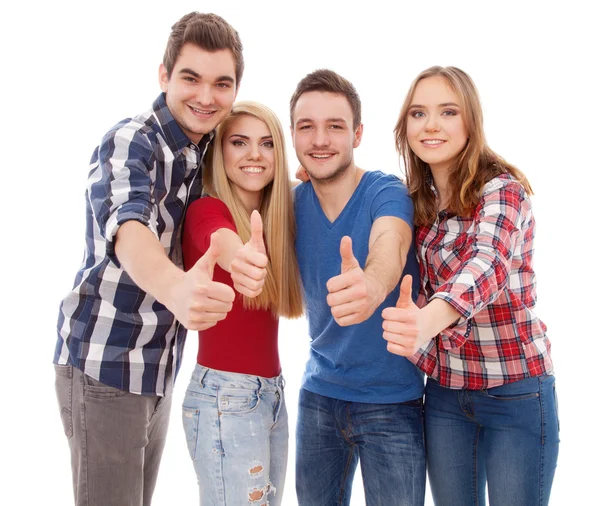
[[268, 144], [417, 114], [336, 127], [449, 112], [189, 79], [238, 143], [305, 127], [224, 86]]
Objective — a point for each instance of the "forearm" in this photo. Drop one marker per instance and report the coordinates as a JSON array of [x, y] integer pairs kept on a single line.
[[436, 316], [385, 262], [143, 257], [230, 243]]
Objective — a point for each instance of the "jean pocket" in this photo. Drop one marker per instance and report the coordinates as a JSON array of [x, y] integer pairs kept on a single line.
[[94, 388], [64, 394], [237, 401], [191, 418], [517, 391]]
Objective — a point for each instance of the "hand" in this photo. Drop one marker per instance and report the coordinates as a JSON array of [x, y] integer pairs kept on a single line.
[[353, 296], [200, 302], [302, 175], [402, 328], [249, 266]]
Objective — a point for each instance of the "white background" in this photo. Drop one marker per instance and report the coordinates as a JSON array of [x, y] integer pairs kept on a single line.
[[72, 70]]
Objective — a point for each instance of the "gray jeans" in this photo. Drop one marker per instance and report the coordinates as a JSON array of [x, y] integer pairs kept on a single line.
[[116, 439]]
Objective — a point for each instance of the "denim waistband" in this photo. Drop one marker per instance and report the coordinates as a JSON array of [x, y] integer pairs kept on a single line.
[[225, 379]]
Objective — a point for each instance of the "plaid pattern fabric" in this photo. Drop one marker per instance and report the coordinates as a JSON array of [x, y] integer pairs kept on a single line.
[[482, 266], [145, 169]]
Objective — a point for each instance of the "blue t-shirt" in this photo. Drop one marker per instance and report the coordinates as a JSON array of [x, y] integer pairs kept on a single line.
[[352, 363]]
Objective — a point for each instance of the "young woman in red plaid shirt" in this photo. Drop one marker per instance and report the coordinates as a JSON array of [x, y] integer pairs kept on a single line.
[[490, 401]]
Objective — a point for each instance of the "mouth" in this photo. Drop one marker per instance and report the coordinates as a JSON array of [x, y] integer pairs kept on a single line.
[[252, 169], [432, 143], [321, 156], [202, 113]]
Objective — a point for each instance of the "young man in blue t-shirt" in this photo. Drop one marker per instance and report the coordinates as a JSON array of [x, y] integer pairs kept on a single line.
[[354, 236]]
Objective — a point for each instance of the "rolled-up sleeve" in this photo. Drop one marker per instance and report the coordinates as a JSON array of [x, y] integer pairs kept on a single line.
[[120, 185], [485, 258]]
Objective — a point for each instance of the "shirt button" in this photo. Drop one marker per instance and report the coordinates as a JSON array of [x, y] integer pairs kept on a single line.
[[194, 166], [192, 146]]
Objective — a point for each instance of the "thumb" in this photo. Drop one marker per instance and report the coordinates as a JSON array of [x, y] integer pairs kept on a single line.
[[209, 259], [348, 259], [256, 230], [405, 299]]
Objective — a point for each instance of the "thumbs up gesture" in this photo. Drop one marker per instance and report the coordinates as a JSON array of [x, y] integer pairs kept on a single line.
[[200, 301], [401, 326], [249, 265], [353, 296]]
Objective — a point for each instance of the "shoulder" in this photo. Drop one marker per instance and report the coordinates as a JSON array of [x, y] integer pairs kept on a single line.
[[209, 205], [504, 188], [376, 181], [302, 190]]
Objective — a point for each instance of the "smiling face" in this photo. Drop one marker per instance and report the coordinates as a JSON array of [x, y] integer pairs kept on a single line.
[[435, 126], [201, 89], [249, 158], [323, 134]]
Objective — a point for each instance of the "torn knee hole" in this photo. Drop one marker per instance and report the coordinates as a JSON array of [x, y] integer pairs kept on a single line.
[[256, 495], [256, 469]]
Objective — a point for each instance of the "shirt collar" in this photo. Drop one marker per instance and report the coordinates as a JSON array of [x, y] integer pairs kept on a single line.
[[176, 139]]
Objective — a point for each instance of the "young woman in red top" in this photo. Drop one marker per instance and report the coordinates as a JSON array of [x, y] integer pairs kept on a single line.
[[234, 411], [490, 405]]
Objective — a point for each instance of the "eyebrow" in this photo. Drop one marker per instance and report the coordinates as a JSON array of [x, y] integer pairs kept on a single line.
[[445, 104], [198, 76], [242, 136], [329, 120]]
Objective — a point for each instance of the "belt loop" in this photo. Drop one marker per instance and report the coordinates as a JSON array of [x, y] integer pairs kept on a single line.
[[202, 375]]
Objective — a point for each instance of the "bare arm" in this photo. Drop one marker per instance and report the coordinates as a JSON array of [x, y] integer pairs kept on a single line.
[[195, 300], [355, 294], [406, 327]]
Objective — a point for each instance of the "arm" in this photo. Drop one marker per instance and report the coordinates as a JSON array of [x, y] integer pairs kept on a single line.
[[476, 283], [195, 300], [407, 327], [355, 294]]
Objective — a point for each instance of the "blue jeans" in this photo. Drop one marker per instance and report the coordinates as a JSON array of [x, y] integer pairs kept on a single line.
[[333, 435], [236, 428], [506, 435]]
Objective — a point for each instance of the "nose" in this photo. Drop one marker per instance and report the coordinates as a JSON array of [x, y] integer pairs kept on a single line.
[[204, 95], [254, 152], [432, 124], [321, 137]]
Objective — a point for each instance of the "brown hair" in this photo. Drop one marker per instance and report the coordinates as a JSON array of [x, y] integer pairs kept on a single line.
[[282, 291], [328, 81], [207, 31], [476, 164]]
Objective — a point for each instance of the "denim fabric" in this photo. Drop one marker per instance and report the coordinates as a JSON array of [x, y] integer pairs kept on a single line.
[[116, 439], [333, 436], [236, 428], [506, 436]]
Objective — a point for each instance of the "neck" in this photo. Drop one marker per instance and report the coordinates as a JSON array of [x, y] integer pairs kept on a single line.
[[334, 195], [250, 200], [440, 179]]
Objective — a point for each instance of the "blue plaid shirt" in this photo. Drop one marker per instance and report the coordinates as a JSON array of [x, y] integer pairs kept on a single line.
[[145, 169]]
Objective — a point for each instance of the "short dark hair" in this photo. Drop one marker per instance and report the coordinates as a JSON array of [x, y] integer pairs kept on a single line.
[[328, 81], [208, 31]]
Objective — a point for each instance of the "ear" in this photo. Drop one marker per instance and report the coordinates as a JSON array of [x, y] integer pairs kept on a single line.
[[163, 78], [358, 136]]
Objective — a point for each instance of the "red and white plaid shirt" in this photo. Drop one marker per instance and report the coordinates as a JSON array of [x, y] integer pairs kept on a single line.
[[482, 266]]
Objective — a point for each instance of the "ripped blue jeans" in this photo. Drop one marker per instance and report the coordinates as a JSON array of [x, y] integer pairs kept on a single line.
[[236, 428]]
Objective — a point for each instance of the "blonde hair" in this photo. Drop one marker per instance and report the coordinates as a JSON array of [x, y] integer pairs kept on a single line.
[[476, 164], [282, 291]]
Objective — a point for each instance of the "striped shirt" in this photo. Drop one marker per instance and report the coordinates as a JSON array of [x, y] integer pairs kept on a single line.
[[482, 266], [145, 169]]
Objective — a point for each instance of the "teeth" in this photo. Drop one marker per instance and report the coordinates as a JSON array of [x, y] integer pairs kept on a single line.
[[320, 157], [433, 142], [253, 170], [199, 111]]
